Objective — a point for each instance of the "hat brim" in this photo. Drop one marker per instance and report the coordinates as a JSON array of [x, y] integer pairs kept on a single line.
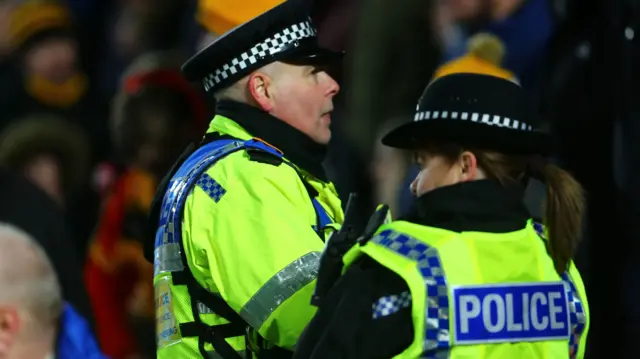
[[312, 55], [415, 135], [330, 61]]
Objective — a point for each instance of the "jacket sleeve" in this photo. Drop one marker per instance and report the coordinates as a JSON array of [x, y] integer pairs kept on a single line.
[[249, 234], [344, 326]]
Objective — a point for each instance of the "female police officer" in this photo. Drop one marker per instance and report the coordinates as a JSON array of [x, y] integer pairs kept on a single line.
[[467, 273]]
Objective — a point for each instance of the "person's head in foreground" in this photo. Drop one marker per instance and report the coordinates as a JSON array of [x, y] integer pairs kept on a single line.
[[273, 63], [471, 127], [30, 300]]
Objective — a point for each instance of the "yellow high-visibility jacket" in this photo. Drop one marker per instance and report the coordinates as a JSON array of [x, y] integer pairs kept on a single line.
[[248, 232]]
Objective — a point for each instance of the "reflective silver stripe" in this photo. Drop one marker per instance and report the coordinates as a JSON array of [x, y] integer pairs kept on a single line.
[[279, 288], [214, 355], [203, 309], [167, 259]]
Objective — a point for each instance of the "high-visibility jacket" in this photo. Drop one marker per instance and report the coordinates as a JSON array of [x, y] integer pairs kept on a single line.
[[480, 295], [238, 244]]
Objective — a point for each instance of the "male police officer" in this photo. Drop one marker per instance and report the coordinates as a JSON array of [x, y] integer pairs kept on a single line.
[[244, 217]]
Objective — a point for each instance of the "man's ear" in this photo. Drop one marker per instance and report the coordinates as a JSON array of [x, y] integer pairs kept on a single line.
[[9, 328], [260, 88], [469, 166]]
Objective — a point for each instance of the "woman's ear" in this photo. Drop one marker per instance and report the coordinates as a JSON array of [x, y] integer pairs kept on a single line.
[[468, 166]]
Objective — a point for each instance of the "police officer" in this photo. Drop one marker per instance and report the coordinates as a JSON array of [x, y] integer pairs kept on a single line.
[[242, 223], [467, 273]]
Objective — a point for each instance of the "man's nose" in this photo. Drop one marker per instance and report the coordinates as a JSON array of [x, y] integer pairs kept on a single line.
[[332, 86]]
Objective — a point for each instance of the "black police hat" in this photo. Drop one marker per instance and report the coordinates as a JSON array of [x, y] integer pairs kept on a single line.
[[284, 33], [473, 110]]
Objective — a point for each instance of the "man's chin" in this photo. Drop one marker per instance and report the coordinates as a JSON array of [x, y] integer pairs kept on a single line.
[[323, 138]]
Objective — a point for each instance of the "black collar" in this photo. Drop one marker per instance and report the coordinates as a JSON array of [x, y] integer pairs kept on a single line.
[[483, 206], [296, 146]]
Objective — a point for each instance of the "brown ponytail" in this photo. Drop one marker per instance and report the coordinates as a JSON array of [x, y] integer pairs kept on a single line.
[[563, 211]]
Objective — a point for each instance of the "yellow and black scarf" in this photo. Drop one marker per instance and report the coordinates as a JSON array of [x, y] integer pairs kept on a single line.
[[52, 94]]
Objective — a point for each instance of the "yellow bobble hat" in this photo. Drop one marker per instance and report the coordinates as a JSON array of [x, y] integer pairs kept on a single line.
[[484, 56], [220, 16], [32, 18]]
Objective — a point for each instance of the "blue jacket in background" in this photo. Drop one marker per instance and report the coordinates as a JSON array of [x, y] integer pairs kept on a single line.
[[75, 339]]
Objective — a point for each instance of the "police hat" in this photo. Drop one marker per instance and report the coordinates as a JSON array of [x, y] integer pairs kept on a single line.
[[284, 33], [473, 110]]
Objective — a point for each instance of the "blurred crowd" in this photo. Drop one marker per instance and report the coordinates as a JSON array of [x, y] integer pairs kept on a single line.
[[94, 111]]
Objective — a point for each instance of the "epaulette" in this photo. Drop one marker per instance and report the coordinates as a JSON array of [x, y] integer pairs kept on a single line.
[[263, 156]]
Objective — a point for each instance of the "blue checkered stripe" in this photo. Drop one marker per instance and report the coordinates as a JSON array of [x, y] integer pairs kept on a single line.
[[437, 339], [577, 315], [391, 304], [165, 233], [539, 228], [212, 188]]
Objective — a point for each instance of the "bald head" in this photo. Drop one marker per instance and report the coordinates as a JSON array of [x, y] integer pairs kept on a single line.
[[27, 279]]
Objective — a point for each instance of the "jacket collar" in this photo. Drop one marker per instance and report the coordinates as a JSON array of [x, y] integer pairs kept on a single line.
[[483, 206], [296, 146]]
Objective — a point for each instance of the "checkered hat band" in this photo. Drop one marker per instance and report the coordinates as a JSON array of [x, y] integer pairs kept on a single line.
[[484, 118], [269, 46]]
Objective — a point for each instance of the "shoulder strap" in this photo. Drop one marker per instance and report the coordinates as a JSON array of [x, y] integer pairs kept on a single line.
[[186, 176], [156, 204]]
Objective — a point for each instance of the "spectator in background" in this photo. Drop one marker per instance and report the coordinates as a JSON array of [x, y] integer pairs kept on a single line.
[[5, 12], [45, 79], [404, 37], [27, 207], [47, 76], [388, 168], [155, 116], [485, 53], [220, 16], [525, 27], [35, 322], [141, 26], [54, 154], [217, 17], [49, 151]]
